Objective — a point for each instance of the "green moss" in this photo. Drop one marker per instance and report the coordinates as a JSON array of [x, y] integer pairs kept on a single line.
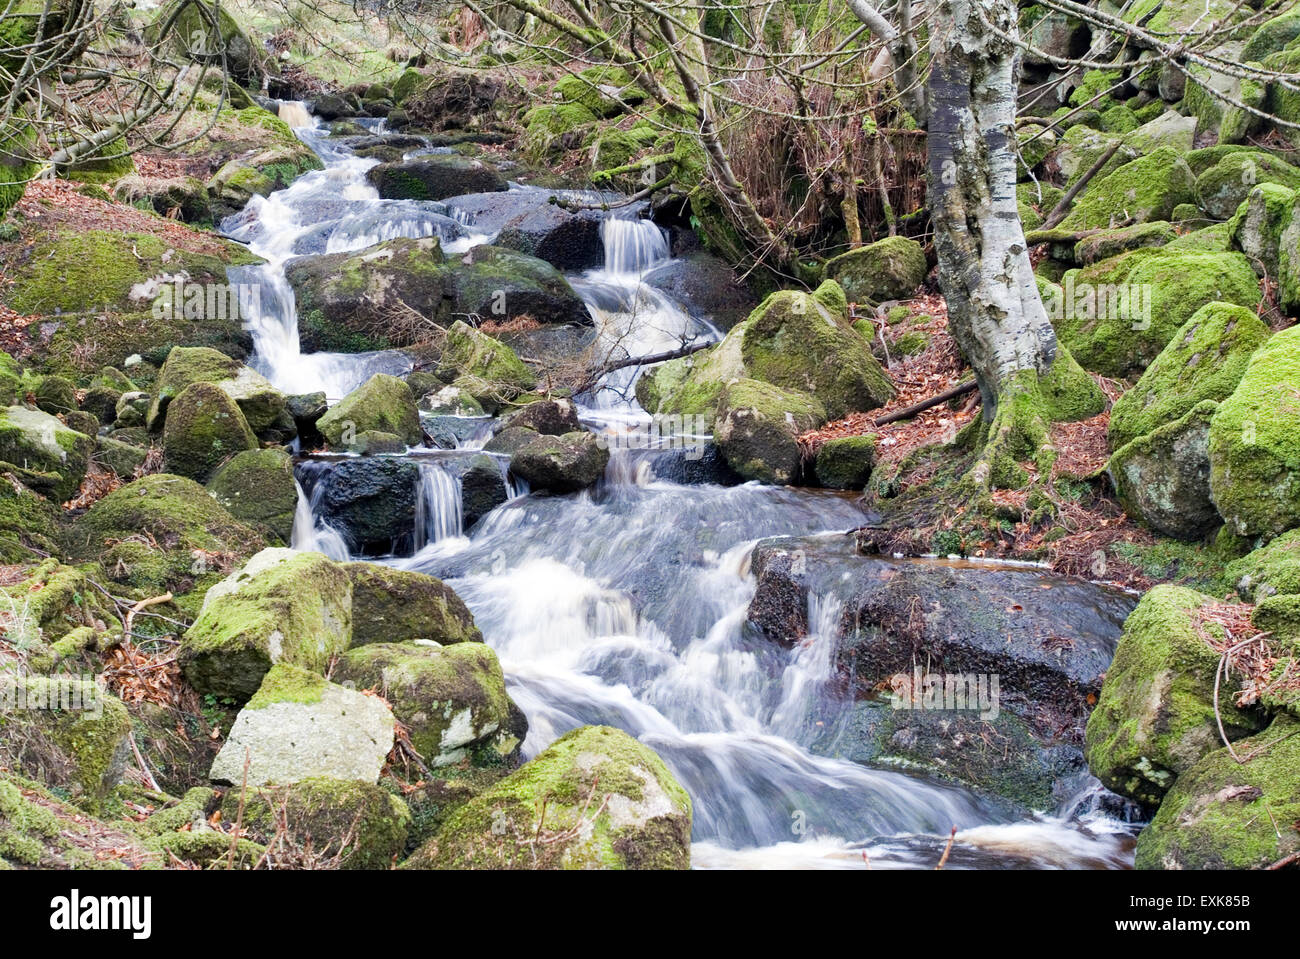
[[396, 606], [1103, 316], [258, 488], [1095, 83], [40, 443], [1222, 188], [758, 426], [1204, 360], [1256, 229], [1147, 188], [1270, 570], [845, 462], [1155, 717], [452, 698], [1254, 445], [204, 427], [283, 609], [557, 792], [209, 849], [1221, 814], [888, 269], [382, 404], [469, 352], [111, 162]]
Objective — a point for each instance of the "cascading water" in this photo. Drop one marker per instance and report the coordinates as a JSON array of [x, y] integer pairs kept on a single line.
[[626, 605]]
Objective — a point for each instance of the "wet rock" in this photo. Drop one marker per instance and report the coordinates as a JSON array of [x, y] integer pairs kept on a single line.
[[510, 440], [435, 178], [707, 286], [382, 404], [482, 488], [370, 501], [484, 367], [552, 417], [497, 284], [300, 726], [758, 426], [561, 464], [568, 241]]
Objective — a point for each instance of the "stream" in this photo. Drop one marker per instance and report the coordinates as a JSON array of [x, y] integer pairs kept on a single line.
[[624, 605]]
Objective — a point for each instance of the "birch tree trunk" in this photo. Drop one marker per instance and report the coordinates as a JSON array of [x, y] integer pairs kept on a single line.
[[1026, 379]]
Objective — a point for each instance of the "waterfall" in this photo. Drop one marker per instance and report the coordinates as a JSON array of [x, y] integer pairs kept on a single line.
[[632, 245], [312, 535], [438, 513]]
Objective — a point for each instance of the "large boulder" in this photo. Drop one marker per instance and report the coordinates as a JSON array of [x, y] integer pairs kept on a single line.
[[435, 178], [192, 36], [160, 534], [758, 426], [257, 487], [495, 284], [1255, 444], [482, 487], [889, 269], [346, 301], [707, 286], [1117, 315], [398, 606], [382, 404], [281, 607], [1203, 361], [452, 699], [1147, 188], [1256, 229], [1271, 570], [1226, 185], [300, 726], [561, 464], [370, 501], [568, 241], [553, 417], [204, 427], [600, 798], [1163, 477], [184, 366], [1155, 717], [794, 341], [48, 455], [1226, 814]]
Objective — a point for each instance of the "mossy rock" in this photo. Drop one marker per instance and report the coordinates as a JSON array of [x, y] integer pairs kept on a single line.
[[1117, 315], [1256, 229], [58, 599], [322, 813], [1204, 360], [192, 37], [1222, 188], [204, 428], [30, 524], [889, 269], [488, 370], [451, 698], [282, 607], [1155, 718], [498, 284], [435, 178], [1147, 188], [1163, 477], [1221, 814], [1271, 570], [110, 162], [40, 830], [1108, 243], [70, 734], [561, 464], [845, 462], [48, 453], [397, 606], [209, 849], [1035, 201], [159, 534], [645, 824], [258, 488], [758, 426], [383, 404], [1255, 446], [183, 367]]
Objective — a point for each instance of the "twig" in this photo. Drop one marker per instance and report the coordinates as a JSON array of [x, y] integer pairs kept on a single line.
[[943, 861]]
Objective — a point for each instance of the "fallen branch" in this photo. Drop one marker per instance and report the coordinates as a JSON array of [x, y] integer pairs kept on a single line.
[[952, 393], [1062, 208]]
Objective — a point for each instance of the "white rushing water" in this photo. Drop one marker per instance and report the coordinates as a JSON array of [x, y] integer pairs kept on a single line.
[[625, 605]]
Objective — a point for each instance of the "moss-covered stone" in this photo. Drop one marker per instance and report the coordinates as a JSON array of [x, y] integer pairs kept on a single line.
[[185, 366], [258, 488], [1255, 445], [486, 368], [498, 284], [1257, 227], [1117, 315], [757, 429], [452, 699], [1156, 716], [1226, 185], [359, 823], [1224, 814], [53, 457], [383, 404], [1108, 243], [1147, 188], [397, 606], [1271, 570], [561, 464], [845, 462], [644, 824], [162, 533], [888, 269], [282, 607], [1204, 360], [28, 522], [204, 428]]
